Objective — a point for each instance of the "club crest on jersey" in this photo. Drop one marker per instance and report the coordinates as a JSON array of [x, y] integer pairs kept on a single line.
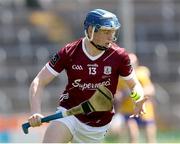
[[107, 70]]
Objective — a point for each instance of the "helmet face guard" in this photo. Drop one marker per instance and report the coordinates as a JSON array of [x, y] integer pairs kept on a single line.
[[100, 19]]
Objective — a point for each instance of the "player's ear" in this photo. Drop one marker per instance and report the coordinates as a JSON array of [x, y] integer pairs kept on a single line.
[[90, 28]]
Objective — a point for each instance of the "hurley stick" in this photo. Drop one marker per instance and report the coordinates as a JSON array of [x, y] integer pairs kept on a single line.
[[101, 100]]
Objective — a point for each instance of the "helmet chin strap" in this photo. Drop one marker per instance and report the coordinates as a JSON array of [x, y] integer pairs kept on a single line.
[[98, 46], [91, 38]]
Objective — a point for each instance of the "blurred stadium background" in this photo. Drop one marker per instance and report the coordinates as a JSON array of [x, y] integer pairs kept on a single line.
[[32, 30]]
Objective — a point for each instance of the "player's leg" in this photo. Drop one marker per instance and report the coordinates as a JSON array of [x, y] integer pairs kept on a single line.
[[133, 130], [60, 130], [57, 132], [150, 124], [150, 131]]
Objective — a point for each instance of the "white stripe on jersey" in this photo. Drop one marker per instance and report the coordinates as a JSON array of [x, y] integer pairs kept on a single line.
[[51, 70]]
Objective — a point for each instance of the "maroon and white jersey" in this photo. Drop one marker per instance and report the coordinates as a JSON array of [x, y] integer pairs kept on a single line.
[[85, 73]]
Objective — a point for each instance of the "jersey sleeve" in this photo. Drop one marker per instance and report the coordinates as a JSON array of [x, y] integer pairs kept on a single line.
[[57, 62], [125, 67]]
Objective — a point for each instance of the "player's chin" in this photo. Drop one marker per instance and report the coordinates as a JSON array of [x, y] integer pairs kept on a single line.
[[108, 45]]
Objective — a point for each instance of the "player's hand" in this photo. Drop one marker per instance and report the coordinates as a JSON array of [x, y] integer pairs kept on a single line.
[[140, 108], [35, 120]]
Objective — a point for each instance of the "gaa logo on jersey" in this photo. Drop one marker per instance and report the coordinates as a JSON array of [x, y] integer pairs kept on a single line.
[[107, 70], [77, 67]]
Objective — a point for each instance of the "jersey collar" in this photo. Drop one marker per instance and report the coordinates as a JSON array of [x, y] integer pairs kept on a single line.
[[93, 58]]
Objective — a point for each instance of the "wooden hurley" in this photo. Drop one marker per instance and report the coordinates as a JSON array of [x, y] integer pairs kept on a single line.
[[101, 100]]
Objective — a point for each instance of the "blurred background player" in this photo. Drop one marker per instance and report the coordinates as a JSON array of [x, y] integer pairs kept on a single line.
[[125, 106]]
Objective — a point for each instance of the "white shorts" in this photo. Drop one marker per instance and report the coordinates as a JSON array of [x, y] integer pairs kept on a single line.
[[81, 132]]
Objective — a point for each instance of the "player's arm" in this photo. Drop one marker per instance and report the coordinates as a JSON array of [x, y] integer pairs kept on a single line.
[[137, 94], [136, 88], [43, 78]]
